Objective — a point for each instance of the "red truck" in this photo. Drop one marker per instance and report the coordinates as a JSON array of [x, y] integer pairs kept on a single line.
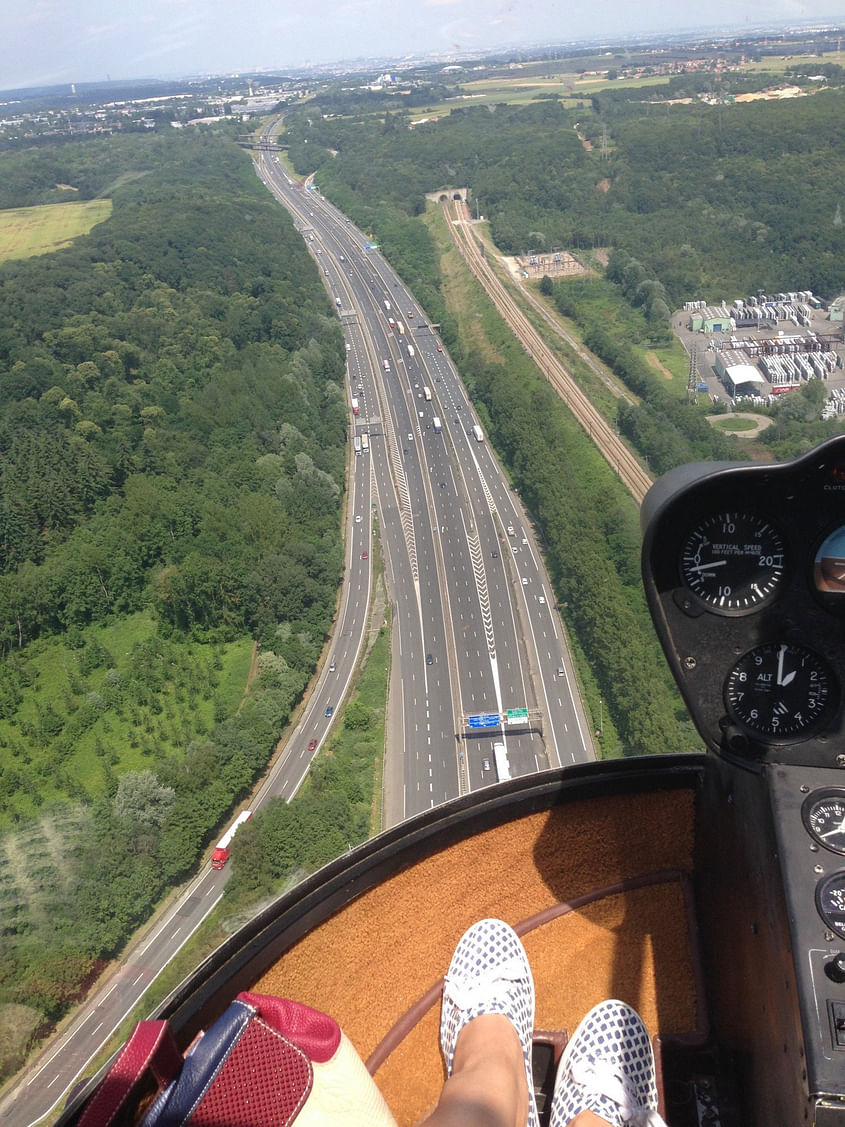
[[224, 845]]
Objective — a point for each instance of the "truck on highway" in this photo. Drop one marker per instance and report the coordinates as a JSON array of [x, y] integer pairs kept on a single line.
[[477, 433], [365, 443], [224, 846], [427, 394], [438, 426], [356, 410], [401, 328], [503, 767], [411, 352], [357, 442]]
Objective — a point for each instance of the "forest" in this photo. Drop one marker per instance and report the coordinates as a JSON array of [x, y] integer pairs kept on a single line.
[[173, 440], [716, 201]]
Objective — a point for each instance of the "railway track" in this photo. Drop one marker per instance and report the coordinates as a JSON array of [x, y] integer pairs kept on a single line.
[[603, 434]]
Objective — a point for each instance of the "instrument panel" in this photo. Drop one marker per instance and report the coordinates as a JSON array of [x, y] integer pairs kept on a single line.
[[744, 571]]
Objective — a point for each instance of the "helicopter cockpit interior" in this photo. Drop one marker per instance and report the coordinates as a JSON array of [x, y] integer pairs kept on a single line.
[[744, 570], [706, 889]]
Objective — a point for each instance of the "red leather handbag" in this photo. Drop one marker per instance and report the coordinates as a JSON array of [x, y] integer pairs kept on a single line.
[[267, 1062]]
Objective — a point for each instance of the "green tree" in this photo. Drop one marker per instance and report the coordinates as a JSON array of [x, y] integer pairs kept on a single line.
[[142, 798]]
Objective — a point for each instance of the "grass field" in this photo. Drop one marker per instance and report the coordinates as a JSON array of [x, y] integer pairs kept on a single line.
[[570, 88], [29, 231]]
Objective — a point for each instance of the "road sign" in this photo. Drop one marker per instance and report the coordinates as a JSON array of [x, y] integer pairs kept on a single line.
[[517, 715], [485, 720]]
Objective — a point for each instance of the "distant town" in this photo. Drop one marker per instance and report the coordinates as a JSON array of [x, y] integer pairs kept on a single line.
[[35, 115]]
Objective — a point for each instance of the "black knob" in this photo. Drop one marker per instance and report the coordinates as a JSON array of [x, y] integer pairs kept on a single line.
[[835, 969]]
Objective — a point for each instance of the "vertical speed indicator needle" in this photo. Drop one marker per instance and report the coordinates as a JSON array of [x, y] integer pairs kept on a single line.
[[732, 562]]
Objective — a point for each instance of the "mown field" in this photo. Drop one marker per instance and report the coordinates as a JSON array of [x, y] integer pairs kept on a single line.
[[29, 231]]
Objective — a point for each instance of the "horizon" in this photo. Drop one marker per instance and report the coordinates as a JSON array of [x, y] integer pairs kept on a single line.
[[50, 45]]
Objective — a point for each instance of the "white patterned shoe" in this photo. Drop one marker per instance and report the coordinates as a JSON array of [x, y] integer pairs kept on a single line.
[[489, 974], [607, 1067]]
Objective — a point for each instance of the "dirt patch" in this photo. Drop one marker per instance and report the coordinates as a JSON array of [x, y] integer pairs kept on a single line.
[[603, 185], [653, 361]]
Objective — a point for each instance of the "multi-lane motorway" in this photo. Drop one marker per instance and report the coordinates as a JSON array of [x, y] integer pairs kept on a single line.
[[477, 632], [475, 628]]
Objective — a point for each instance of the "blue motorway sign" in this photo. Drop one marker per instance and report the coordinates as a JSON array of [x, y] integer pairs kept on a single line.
[[485, 720]]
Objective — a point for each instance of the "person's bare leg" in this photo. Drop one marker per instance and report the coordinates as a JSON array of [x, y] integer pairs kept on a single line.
[[488, 1087]]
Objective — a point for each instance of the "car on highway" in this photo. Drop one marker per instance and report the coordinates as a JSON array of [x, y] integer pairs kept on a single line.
[[329, 710], [410, 438], [366, 556], [429, 659], [358, 518], [312, 745], [485, 764], [524, 581], [542, 600], [495, 554], [440, 348], [511, 531], [332, 666]]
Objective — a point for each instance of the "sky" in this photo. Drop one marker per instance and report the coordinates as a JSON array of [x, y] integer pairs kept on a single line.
[[46, 42]]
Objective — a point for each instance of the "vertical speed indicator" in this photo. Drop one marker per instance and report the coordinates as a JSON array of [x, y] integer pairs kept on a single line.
[[733, 562]]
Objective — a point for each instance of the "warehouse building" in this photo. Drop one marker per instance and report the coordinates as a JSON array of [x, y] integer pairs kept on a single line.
[[740, 377]]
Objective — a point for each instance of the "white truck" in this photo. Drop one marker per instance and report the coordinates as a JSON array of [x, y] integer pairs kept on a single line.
[[477, 433]]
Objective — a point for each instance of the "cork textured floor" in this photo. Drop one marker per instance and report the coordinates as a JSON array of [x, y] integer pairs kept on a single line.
[[377, 958]]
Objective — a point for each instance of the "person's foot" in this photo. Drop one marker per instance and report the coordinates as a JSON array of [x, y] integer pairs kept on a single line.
[[489, 974], [607, 1068]]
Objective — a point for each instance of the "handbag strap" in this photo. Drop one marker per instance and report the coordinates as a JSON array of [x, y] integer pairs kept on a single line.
[[150, 1048]]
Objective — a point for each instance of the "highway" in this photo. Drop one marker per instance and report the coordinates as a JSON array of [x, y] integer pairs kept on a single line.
[[475, 628], [468, 586]]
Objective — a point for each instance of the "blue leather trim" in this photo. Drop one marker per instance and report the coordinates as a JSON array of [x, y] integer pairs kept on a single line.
[[177, 1102]]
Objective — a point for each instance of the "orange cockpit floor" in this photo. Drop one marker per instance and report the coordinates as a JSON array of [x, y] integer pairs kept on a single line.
[[375, 960]]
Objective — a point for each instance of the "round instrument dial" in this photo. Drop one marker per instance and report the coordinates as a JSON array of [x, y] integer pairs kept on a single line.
[[780, 691], [824, 817], [830, 902], [733, 562]]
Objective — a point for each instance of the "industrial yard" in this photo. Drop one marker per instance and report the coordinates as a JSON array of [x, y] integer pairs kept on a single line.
[[760, 347]]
